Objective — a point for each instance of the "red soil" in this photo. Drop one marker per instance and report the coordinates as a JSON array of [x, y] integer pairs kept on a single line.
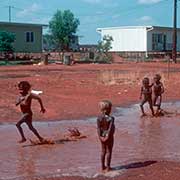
[[73, 92]]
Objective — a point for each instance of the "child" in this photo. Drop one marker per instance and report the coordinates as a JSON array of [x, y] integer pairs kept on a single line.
[[146, 91], [24, 100], [106, 129], [158, 90]]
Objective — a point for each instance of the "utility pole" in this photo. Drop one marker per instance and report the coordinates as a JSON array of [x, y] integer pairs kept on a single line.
[[9, 7], [10, 13], [174, 48]]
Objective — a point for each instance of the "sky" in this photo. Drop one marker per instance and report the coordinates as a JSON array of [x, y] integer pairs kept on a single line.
[[92, 14]]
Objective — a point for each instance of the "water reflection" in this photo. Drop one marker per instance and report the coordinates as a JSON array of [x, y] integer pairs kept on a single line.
[[150, 138], [26, 162], [137, 140]]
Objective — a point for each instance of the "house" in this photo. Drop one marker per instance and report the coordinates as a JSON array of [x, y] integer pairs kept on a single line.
[[143, 39], [28, 36]]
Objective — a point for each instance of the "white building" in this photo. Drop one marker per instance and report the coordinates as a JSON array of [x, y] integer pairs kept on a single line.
[[141, 38]]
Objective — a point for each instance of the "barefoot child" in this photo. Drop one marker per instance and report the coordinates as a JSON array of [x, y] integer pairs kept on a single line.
[[24, 100], [146, 92], [158, 90], [106, 129]]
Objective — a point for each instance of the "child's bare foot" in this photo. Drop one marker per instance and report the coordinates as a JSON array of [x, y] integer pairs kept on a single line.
[[103, 170], [42, 140], [160, 113], [143, 115], [22, 140], [108, 169]]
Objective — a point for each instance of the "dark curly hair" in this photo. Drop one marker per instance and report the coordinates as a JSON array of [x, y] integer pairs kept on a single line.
[[145, 80], [158, 76], [25, 85]]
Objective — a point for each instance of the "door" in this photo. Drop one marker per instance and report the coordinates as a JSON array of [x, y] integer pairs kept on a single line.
[[164, 43]]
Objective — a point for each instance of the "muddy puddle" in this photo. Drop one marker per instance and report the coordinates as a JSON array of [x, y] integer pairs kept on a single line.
[[138, 141]]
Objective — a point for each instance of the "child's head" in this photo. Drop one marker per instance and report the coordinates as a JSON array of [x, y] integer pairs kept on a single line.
[[145, 81], [157, 77], [105, 106], [24, 86]]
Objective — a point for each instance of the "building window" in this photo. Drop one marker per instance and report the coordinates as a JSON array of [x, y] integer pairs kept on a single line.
[[157, 38], [157, 42], [32, 37], [29, 36]]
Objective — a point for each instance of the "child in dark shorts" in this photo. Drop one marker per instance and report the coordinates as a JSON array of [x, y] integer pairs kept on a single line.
[[25, 100], [106, 129]]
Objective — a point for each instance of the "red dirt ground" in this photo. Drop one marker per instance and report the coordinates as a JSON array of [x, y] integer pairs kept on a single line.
[[73, 92]]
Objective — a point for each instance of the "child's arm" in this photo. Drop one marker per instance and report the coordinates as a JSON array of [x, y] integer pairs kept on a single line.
[[18, 101], [21, 99], [102, 139], [141, 93], [98, 128], [110, 129], [162, 88], [151, 85], [150, 90], [33, 96]]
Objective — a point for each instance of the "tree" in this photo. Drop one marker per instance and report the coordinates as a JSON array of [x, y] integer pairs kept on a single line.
[[105, 44], [62, 27], [103, 48], [6, 40]]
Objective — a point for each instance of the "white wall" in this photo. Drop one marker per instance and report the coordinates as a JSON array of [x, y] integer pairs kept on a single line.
[[127, 39]]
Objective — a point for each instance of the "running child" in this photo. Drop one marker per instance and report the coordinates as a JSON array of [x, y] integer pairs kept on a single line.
[[106, 129], [24, 100]]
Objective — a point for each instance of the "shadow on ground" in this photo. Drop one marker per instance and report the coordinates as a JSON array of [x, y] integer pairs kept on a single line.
[[134, 165]]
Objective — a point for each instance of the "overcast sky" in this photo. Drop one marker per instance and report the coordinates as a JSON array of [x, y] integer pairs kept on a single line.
[[93, 14]]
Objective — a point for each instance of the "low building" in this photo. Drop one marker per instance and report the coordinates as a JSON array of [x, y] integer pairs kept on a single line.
[[28, 36], [88, 47], [143, 39]]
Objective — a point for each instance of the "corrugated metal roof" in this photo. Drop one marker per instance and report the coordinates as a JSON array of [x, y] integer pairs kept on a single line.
[[135, 27], [22, 24]]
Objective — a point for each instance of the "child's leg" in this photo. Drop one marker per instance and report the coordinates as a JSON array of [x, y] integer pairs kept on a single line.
[[151, 106], [109, 153], [141, 105], [29, 123], [18, 125], [159, 104], [154, 100], [103, 153]]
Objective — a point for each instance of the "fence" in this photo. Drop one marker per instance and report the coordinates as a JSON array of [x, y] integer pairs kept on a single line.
[[150, 55], [20, 56], [83, 56]]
